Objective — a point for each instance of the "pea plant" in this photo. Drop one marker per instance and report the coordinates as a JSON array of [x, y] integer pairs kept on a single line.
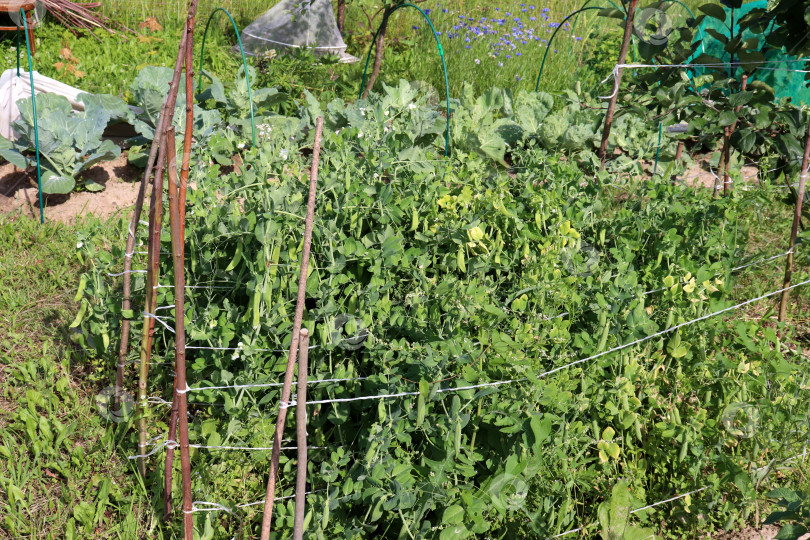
[[495, 348]]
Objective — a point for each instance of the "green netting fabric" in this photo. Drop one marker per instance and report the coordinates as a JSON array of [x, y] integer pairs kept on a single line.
[[295, 24], [784, 83]]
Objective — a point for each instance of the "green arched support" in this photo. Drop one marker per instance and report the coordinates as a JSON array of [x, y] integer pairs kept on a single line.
[[33, 105], [441, 54], [548, 45], [244, 63]]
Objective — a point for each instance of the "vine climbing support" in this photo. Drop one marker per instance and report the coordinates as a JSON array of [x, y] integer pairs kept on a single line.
[[617, 81], [244, 63], [267, 518], [441, 55], [794, 231]]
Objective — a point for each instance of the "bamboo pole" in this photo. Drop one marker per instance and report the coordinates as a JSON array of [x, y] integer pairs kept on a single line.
[[178, 253], [152, 275], [617, 81], [794, 231], [267, 517], [301, 427]]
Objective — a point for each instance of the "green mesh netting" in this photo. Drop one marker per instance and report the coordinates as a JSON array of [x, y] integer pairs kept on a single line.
[[784, 83]]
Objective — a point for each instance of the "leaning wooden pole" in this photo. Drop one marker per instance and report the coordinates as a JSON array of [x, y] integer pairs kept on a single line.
[[301, 428], [184, 172], [164, 120], [617, 80], [267, 518], [152, 277], [794, 231], [181, 387]]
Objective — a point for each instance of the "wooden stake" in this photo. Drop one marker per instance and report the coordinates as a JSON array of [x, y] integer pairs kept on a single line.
[[181, 386], [189, 63], [617, 76], [794, 231], [267, 518], [301, 427], [152, 274], [164, 120]]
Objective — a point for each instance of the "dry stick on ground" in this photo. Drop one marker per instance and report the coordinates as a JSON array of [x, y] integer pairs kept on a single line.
[[617, 81], [301, 427], [184, 171], [267, 518], [794, 231], [178, 253], [150, 301], [726, 154]]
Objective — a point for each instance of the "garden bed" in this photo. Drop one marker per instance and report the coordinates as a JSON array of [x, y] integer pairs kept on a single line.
[[18, 192]]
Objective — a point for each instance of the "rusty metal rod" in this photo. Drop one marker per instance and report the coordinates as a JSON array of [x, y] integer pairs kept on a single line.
[[267, 517], [301, 427]]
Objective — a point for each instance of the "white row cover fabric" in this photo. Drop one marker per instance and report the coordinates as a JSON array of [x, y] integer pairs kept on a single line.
[[14, 88], [295, 24]]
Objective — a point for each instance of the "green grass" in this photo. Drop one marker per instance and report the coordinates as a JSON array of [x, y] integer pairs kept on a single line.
[[62, 470]]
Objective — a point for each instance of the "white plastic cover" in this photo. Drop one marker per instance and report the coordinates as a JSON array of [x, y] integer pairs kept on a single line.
[[14, 88], [295, 24]]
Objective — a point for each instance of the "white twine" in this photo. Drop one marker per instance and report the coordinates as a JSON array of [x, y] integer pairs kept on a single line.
[[184, 390], [572, 531], [159, 286], [170, 444], [158, 319], [216, 507], [127, 272], [284, 405], [615, 73], [267, 385], [785, 254]]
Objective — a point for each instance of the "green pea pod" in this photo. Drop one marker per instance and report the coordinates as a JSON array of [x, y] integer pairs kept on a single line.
[[82, 285], [257, 306], [458, 436], [325, 518], [676, 416], [80, 315], [414, 220], [637, 426], [381, 411], [268, 292], [105, 339], [684, 450], [605, 332], [237, 256], [460, 260], [420, 409]]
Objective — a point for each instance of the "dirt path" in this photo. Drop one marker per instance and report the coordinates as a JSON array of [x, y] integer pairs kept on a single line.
[[18, 192]]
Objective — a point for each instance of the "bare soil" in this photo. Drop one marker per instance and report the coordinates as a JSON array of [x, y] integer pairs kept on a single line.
[[768, 532], [18, 192], [701, 174]]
